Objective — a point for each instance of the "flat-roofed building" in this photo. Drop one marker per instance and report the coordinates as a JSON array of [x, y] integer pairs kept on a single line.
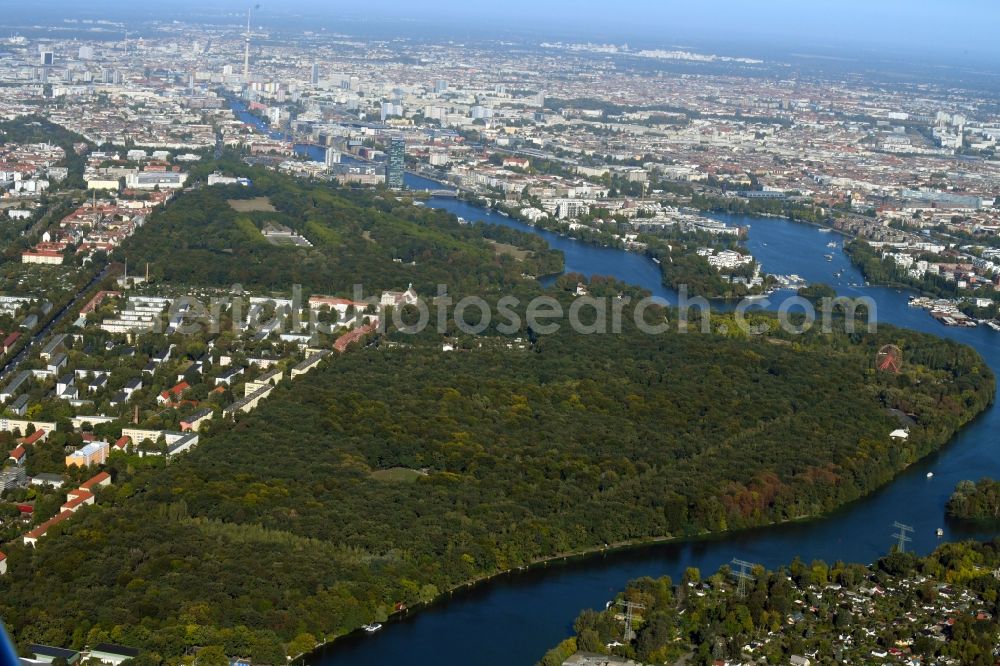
[[94, 453]]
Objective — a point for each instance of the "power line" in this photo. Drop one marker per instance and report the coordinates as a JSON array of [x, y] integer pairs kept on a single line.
[[901, 535], [743, 576], [630, 608]]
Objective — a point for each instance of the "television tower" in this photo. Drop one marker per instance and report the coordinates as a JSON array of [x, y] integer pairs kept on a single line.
[[246, 51]]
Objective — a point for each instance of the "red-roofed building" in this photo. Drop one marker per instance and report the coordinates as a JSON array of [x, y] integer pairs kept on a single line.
[[35, 437], [9, 341], [334, 303], [76, 499], [98, 480], [173, 393], [353, 336], [96, 300], [88, 437], [32, 537], [122, 443], [41, 257], [19, 454], [3, 564]]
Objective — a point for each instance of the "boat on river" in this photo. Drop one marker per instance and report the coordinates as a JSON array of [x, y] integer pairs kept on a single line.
[[372, 628]]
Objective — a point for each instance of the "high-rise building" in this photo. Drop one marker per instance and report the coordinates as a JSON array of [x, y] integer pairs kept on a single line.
[[397, 164], [481, 112], [45, 58], [440, 86], [391, 109], [314, 75], [332, 156]]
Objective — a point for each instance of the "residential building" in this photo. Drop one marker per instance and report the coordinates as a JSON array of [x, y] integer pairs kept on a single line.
[[12, 477], [193, 421], [46, 479], [94, 453], [18, 455], [50, 257]]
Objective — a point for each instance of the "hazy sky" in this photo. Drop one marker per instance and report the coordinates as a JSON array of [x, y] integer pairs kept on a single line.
[[956, 26]]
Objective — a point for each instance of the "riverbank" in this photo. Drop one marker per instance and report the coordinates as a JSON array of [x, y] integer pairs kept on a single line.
[[528, 611], [658, 254], [937, 439], [314, 656], [691, 626]]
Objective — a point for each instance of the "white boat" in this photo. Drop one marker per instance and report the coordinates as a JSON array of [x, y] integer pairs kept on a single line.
[[940, 532], [372, 628], [824, 230], [655, 260], [930, 475], [995, 326]]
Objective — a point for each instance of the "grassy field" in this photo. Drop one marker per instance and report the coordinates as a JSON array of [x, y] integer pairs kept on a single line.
[[257, 204], [511, 250], [398, 475]]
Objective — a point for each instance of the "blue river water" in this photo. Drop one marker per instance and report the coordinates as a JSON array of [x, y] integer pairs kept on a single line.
[[515, 618], [310, 150]]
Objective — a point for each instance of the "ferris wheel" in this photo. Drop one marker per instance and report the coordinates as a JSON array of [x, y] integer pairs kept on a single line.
[[889, 359]]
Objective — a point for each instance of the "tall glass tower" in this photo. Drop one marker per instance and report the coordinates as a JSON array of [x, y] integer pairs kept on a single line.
[[397, 164]]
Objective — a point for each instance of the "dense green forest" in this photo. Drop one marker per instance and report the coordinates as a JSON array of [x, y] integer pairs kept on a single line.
[[398, 471], [357, 237], [979, 501], [301, 522], [943, 606]]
